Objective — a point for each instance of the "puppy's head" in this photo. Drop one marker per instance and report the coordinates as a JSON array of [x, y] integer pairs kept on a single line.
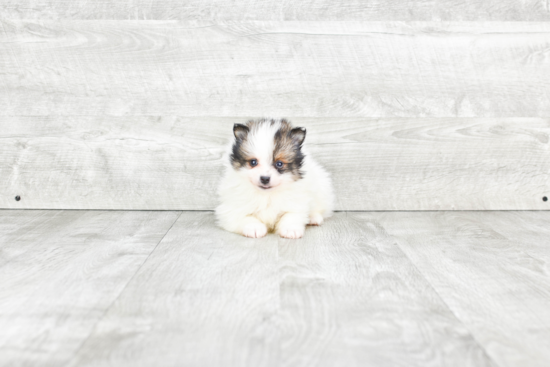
[[268, 152]]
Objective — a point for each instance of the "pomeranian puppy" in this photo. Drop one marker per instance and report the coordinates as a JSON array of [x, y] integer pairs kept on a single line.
[[270, 183]]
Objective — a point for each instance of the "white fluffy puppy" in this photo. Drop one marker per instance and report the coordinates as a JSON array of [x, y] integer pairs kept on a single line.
[[270, 184]]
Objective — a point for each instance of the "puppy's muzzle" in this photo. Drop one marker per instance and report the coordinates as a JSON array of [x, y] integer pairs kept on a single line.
[[264, 180]]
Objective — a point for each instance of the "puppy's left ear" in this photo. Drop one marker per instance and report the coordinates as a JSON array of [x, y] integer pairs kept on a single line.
[[298, 135]]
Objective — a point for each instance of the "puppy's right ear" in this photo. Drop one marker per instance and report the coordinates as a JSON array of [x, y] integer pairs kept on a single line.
[[240, 131]]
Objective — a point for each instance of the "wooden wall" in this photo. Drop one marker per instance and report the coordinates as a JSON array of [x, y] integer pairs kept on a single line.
[[216, 10], [421, 105]]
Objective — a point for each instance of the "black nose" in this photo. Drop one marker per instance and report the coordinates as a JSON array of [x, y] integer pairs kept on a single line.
[[264, 179]]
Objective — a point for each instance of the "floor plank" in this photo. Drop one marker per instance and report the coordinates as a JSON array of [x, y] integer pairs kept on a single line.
[[21, 230], [61, 271], [350, 297], [205, 297], [86, 288], [492, 269]]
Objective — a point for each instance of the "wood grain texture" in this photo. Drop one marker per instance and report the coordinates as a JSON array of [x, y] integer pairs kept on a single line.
[[205, 297], [86, 162], [215, 10], [92, 288], [59, 273], [21, 229], [350, 297], [111, 163], [492, 269], [315, 69]]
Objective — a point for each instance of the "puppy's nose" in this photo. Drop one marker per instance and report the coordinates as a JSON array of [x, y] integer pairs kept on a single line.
[[264, 180]]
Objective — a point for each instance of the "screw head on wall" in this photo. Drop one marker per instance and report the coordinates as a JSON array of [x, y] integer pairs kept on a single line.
[[17, 198]]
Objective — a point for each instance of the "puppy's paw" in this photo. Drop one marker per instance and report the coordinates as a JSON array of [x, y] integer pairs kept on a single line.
[[254, 230], [292, 232], [315, 219]]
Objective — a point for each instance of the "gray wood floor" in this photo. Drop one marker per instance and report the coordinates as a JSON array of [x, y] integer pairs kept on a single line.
[[135, 288]]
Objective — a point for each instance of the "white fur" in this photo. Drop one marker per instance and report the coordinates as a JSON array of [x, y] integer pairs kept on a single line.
[[287, 207]]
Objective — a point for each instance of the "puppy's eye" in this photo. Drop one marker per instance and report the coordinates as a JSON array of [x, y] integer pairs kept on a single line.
[[279, 164], [253, 162]]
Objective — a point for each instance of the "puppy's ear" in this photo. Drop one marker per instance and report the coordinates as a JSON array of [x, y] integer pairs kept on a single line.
[[298, 135], [240, 131]]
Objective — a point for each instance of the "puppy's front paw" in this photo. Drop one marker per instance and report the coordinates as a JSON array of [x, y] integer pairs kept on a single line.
[[315, 219], [292, 232], [254, 230]]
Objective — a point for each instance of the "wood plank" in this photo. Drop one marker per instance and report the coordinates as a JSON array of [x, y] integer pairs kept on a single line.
[[315, 69], [205, 297], [21, 229], [170, 162], [350, 297], [358, 290], [65, 269], [84, 162], [216, 10], [491, 268]]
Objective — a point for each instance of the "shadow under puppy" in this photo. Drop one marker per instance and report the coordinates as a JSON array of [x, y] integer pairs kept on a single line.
[[271, 184]]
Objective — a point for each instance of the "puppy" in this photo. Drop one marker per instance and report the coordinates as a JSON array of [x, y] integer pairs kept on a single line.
[[271, 184]]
